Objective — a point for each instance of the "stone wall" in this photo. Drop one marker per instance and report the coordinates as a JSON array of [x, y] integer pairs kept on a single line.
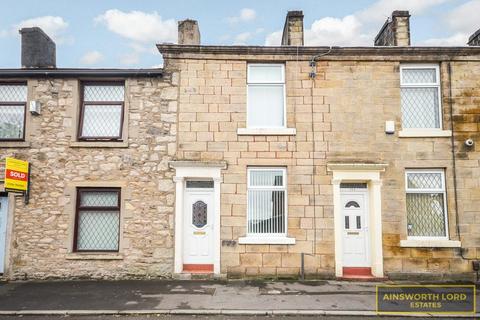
[[41, 236], [339, 117]]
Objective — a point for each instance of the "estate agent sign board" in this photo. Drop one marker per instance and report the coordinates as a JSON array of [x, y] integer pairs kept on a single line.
[[17, 174]]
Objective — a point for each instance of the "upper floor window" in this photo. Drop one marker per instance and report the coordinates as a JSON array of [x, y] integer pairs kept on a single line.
[[267, 194], [13, 102], [97, 220], [426, 204], [420, 96], [102, 111], [266, 96]]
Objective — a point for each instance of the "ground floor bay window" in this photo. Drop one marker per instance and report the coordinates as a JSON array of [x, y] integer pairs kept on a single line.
[[267, 206]]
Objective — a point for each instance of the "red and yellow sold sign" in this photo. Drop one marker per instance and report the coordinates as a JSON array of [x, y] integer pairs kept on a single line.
[[16, 174]]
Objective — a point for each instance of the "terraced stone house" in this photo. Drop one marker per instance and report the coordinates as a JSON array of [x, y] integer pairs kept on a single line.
[[247, 161]]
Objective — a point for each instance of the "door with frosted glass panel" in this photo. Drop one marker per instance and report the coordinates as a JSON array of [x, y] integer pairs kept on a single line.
[[198, 223], [356, 251]]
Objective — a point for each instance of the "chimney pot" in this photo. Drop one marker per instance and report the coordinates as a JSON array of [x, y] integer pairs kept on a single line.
[[38, 50], [188, 32], [474, 39], [395, 31], [293, 29]]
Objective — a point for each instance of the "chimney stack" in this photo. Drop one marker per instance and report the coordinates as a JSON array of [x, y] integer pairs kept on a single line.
[[474, 39], [293, 29], [38, 50], [188, 32], [395, 31]]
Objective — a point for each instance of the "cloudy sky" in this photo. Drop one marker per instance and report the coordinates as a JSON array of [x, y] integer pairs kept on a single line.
[[123, 33]]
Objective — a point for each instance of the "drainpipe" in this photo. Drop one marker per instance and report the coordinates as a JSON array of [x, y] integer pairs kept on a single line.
[[312, 75], [454, 165]]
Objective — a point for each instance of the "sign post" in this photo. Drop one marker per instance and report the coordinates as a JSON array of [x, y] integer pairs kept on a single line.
[[17, 176]]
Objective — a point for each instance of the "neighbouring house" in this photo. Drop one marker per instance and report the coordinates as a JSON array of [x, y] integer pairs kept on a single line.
[[247, 161], [101, 200]]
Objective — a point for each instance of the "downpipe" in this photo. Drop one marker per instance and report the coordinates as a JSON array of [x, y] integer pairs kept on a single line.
[[475, 262]]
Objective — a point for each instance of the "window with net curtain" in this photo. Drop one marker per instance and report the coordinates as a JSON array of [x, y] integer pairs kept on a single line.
[[102, 111], [266, 96], [266, 202], [13, 101], [420, 97], [426, 204], [97, 219]]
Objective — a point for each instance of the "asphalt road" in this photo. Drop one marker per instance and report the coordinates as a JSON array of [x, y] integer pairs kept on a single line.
[[179, 317]]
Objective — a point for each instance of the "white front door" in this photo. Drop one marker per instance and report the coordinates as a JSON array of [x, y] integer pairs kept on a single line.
[[3, 231], [198, 234], [356, 251]]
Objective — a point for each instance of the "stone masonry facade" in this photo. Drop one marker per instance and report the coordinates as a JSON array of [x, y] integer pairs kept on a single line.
[[338, 103], [339, 117], [42, 236]]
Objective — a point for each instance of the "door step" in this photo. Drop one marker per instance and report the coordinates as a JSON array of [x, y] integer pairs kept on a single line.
[[198, 268], [357, 271], [361, 278], [359, 274]]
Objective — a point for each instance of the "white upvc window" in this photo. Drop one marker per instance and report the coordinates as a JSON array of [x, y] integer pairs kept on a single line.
[[426, 204], [421, 96], [267, 202], [266, 96]]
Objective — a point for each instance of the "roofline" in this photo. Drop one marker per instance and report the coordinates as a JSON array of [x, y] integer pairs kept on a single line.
[[73, 72], [385, 24], [473, 36], [302, 50]]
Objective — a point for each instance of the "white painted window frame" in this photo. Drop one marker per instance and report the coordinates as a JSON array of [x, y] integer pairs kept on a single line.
[[436, 84], [278, 83], [268, 238], [440, 190]]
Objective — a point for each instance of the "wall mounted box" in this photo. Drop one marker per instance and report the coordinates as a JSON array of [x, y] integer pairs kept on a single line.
[[389, 127], [35, 107]]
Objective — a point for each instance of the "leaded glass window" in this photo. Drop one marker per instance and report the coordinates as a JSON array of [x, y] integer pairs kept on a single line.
[[420, 97], [266, 201], [352, 204], [13, 100], [426, 204], [199, 214], [102, 111], [98, 219]]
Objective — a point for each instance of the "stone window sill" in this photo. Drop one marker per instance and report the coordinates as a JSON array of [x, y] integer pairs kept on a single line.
[[14, 144], [266, 240], [424, 133], [430, 244], [99, 144], [266, 131], [94, 256]]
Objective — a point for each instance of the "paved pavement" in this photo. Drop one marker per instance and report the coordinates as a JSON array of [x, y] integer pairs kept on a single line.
[[188, 297], [189, 317]]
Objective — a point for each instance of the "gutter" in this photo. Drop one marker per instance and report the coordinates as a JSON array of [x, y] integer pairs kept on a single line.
[[91, 73], [432, 52]]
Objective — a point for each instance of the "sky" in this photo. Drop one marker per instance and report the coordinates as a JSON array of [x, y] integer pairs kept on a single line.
[[123, 33]]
